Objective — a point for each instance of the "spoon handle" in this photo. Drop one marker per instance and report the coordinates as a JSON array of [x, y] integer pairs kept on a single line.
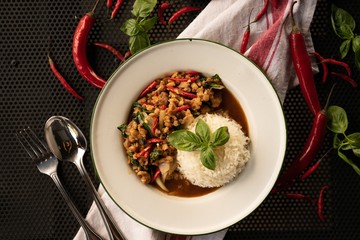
[[114, 232], [89, 232]]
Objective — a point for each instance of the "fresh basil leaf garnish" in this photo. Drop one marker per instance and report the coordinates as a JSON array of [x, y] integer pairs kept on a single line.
[[338, 122], [202, 130], [220, 137]]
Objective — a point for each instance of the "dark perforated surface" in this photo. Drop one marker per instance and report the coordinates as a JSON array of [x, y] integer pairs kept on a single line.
[[30, 205]]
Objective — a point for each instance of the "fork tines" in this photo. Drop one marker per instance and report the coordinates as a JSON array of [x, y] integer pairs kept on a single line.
[[33, 146]]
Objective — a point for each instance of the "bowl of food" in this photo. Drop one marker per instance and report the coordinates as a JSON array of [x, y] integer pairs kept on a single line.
[[188, 137]]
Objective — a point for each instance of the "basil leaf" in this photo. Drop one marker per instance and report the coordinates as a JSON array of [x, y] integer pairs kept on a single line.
[[143, 8], [148, 23], [357, 59], [184, 140], [203, 131], [336, 141], [349, 161], [356, 152], [207, 157], [138, 42], [220, 137], [343, 23], [354, 140], [130, 27], [338, 121], [344, 48], [356, 44]]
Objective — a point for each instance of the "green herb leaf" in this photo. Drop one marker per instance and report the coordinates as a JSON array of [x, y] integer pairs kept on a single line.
[[184, 140], [338, 121], [354, 140], [357, 59], [148, 23], [344, 48], [356, 44], [356, 152], [122, 129], [343, 23], [138, 42], [220, 137], [349, 161], [207, 157], [130, 27], [202, 130], [336, 141], [143, 8]]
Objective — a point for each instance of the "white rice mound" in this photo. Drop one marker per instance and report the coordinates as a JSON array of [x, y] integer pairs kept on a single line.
[[230, 158]]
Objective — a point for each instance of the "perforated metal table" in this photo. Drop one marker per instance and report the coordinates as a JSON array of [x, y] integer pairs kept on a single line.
[[30, 205]]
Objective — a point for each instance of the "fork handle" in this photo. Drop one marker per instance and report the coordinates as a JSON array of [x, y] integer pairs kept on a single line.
[[90, 234], [115, 232]]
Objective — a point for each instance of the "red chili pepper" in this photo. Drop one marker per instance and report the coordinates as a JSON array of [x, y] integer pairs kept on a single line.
[[155, 140], [150, 87], [116, 8], [246, 37], [263, 10], [295, 195], [112, 50], [62, 79], [154, 125], [182, 108], [192, 73], [309, 151], [302, 67], [79, 49], [181, 92], [336, 62], [310, 171], [311, 148], [161, 10], [192, 79], [180, 12], [346, 78], [320, 203], [145, 152], [127, 54], [324, 66], [156, 175], [109, 3]]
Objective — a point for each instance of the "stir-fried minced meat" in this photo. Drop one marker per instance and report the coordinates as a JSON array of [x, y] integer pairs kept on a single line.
[[171, 104]]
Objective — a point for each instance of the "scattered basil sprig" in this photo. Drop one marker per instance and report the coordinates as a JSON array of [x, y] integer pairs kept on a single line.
[[137, 28], [345, 144], [203, 139], [344, 25]]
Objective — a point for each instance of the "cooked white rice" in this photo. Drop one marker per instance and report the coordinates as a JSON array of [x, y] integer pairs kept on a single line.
[[230, 158]]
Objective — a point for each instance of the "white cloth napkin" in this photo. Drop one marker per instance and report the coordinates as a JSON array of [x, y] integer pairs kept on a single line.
[[225, 21]]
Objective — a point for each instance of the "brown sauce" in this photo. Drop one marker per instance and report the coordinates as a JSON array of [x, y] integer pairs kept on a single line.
[[183, 188]]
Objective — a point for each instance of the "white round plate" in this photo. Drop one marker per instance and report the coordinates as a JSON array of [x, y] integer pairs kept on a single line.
[[230, 203]]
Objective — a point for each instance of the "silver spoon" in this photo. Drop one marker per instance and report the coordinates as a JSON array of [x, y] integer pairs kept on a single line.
[[68, 143]]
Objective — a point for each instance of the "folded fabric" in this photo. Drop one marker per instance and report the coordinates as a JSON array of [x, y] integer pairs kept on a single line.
[[225, 21]]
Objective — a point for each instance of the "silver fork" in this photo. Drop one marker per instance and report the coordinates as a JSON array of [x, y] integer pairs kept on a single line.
[[47, 164]]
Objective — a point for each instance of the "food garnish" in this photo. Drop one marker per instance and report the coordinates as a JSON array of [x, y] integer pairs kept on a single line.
[[202, 140]]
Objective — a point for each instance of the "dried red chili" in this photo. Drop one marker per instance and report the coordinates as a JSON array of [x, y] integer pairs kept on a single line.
[[246, 37], [62, 80], [192, 79], [116, 8], [182, 108], [150, 87], [181, 92], [263, 10], [109, 3], [160, 13], [320, 203], [310, 171], [346, 78], [80, 41], [112, 50], [323, 64], [303, 68], [180, 12]]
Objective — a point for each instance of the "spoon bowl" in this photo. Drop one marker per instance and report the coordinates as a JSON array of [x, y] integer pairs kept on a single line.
[[68, 143]]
